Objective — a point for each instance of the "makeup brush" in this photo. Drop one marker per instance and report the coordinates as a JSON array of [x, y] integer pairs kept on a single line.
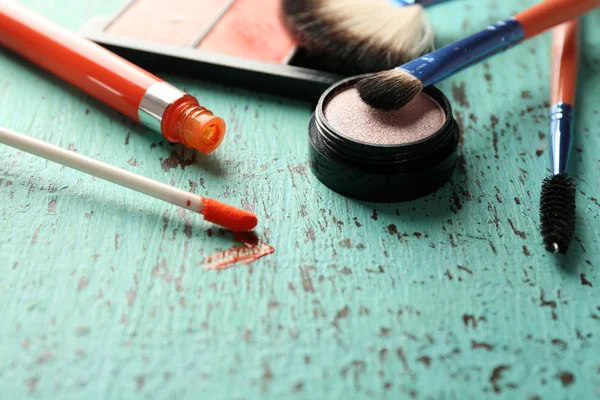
[[557, 202], [361, 36], [213, 211], [395, 88]]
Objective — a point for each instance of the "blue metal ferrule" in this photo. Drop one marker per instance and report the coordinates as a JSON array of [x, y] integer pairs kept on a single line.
[[424, 3], [435, 66], [561, 136]]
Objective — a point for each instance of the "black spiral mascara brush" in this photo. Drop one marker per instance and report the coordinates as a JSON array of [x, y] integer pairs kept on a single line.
[[557, 203]]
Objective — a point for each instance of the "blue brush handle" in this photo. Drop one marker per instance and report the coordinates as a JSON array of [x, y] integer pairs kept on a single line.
[[433, 67], [424, 3], [561, 136]]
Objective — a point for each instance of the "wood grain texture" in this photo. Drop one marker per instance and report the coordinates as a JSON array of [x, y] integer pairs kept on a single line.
[[103, 293]]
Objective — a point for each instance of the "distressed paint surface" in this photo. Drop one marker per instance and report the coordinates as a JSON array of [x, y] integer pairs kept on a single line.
[[104, 294]]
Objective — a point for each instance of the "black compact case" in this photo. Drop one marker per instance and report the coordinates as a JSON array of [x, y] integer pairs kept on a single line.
[[382, 173]]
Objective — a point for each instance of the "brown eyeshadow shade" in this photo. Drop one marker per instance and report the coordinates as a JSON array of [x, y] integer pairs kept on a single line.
[[356, 120]]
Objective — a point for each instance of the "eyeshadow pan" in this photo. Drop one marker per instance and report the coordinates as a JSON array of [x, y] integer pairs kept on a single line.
[[356, 120], [251, 29], [176, 23], [382, 156]]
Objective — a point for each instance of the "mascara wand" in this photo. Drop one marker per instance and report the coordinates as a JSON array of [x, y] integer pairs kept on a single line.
[[557, 202]]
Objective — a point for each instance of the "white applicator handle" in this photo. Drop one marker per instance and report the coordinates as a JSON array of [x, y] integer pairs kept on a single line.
[[101, 170]]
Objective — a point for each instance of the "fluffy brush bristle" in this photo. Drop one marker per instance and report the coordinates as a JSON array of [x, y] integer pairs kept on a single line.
[[359, 36], [389, 90], [557, 212]]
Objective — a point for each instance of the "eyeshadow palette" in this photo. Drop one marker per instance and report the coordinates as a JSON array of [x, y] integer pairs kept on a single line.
[[235, 42]]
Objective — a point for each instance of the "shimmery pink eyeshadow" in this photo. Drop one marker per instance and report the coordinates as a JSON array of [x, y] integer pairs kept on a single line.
[[356, 120]]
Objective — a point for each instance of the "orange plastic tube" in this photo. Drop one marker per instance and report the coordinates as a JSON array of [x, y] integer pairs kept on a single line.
[[565, 63], [550, 13], [109, 78]]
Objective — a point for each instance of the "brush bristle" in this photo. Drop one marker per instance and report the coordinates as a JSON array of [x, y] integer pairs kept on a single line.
[[359, 36], [389, 90], [557, 212]]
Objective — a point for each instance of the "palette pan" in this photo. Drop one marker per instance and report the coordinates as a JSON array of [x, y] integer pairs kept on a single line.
[[234, 42], [382, 156]]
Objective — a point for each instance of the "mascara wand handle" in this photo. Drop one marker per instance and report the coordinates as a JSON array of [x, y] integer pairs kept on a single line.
[[565, 66], [565, 63]]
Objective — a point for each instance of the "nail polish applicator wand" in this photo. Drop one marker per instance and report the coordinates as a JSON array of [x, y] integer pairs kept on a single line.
[[213, 211]]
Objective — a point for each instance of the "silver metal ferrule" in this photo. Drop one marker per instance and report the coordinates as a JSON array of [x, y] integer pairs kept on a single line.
[[561, 136], [155, 102]]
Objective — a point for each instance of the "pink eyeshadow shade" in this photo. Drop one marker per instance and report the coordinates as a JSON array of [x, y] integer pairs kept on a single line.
[[169, 22], [251, 29], [356, 120]]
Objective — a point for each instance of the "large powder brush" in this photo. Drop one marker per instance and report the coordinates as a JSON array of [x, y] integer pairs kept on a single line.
[[361, 36]]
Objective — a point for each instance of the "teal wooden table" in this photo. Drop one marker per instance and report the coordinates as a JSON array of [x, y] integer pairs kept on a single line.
[[105, 293]]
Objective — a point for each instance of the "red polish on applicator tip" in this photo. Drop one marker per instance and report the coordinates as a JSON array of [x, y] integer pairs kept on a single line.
[[230, 217]]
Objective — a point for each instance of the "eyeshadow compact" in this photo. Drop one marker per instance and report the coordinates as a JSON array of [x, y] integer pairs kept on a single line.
[[382, 156], [234, 42]]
